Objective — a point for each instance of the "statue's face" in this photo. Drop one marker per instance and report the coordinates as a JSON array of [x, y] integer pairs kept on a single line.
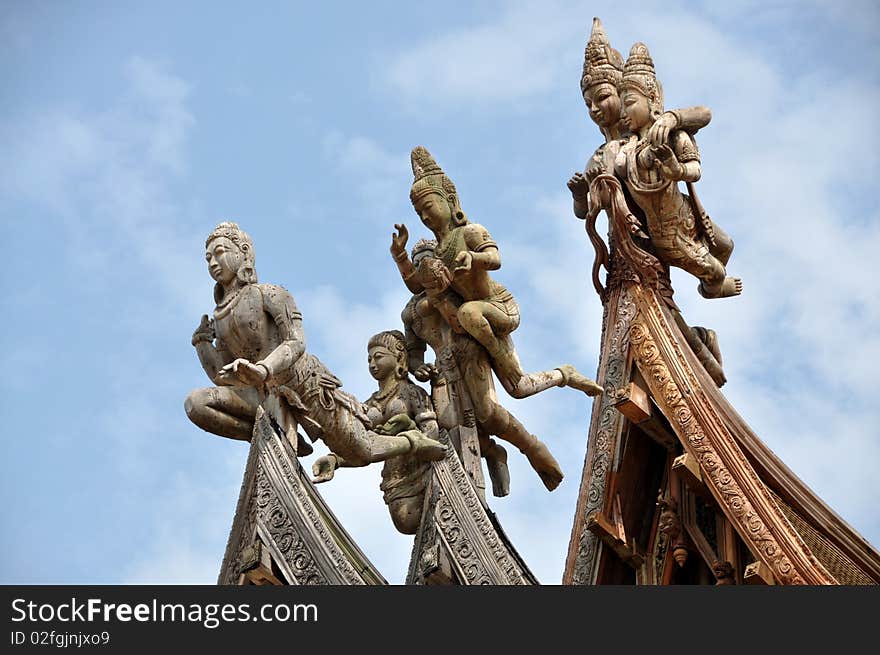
[[381, 361], [603, 103], [636, 110], [434, 211], [224, 259], [420, 257]]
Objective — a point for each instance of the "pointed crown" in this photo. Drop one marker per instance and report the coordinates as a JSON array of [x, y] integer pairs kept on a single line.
[[602, 63], [638, 74], [428, 177]]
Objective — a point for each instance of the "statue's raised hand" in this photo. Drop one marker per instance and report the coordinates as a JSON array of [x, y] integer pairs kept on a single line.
[[241, 370], [205, 331], [463, 262], [578, 185], [425, 372], [658, 133], [398, 241], [670, 167]]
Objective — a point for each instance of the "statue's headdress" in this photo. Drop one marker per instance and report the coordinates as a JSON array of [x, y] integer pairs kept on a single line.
[[602, 63], [428, 177], [421, 246], [246, 274], [395, 343], [638, 74]]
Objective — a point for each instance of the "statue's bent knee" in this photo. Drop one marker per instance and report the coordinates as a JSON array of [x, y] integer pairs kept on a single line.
[[406, 513], [195, 403]]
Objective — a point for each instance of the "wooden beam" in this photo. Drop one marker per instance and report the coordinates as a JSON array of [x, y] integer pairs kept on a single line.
[[613, 536], [633, 402], [639, 409], [758, 573], [257, 565], [688, 469]]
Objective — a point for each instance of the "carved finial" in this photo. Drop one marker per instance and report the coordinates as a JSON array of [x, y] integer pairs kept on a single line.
[[602, 63]]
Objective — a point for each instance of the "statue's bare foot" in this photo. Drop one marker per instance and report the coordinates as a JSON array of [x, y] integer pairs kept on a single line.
[[732, 286], [424, 447], [572, 378], [499, 474], [545, 464]]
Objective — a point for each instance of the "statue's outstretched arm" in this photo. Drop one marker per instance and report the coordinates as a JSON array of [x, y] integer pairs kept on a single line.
[[279, 304], [689, 120]]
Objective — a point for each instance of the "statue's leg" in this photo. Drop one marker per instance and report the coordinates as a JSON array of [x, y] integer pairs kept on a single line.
[[347, 435], [225, 411], [489, 324], [695, 258], [496, 462], [508, 427], [406, 513], [723, 246], [496, 420]]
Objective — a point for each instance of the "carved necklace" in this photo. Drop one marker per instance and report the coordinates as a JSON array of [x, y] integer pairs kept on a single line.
[[382, 397], [451, 246], [228, 301]]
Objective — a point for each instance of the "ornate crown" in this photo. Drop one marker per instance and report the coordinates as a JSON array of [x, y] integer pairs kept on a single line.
[[638, 73], [602, 63], [428, 177]]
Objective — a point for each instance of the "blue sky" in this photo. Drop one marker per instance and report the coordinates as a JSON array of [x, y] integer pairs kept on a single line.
[[128, 131]]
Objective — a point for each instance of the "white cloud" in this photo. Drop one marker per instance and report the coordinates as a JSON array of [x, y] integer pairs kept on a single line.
[[377, 174], [507, 60]]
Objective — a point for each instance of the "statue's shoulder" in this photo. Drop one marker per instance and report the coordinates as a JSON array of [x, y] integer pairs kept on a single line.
[[413, 394], [274, 292], [684, 145], [477, 237]]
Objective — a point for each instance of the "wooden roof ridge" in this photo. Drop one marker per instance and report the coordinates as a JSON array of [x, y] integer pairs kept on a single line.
[[758, 493], [787, 488], [283, 529]]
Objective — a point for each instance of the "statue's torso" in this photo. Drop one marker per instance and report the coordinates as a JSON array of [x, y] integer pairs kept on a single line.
[[670, 220], [243, 327], [474, 284], [403, 475]]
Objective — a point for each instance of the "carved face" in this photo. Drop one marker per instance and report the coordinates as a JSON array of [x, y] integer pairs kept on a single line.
[[382, 362], [434, 211], [224, 259], [636, 110], [603, 103], [420, 256]]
